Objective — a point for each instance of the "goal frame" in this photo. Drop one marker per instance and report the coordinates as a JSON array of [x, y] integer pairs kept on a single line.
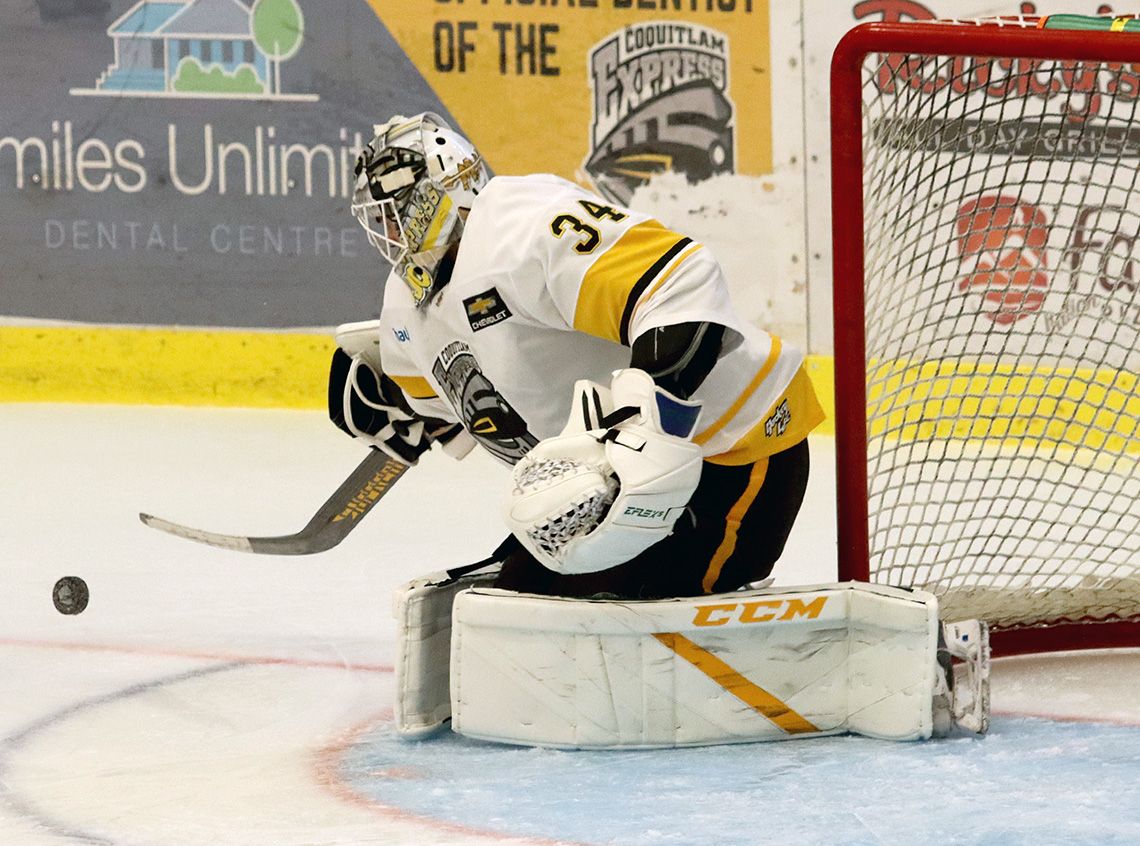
[[848, 273]]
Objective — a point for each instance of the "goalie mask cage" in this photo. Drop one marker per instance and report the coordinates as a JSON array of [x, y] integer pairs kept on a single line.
[[986, 248]]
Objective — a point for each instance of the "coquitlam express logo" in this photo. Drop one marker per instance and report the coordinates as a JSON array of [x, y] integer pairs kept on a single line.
[[660, 105], [202, 49]]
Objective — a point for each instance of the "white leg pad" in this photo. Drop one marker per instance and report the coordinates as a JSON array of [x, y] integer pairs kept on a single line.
[[423, 645], [751, 665], [968, 641]]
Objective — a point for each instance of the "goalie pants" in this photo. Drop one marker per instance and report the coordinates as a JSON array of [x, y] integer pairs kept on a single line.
[[732, 533]]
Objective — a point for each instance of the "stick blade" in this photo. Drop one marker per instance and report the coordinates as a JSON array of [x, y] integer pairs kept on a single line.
[[363, 488], [235, 542], [298, 544]]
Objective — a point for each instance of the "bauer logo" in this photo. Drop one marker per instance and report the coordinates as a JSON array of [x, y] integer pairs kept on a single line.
[[202, 49], [485, 310], [759, 611], [660, 104], [1001, 249]]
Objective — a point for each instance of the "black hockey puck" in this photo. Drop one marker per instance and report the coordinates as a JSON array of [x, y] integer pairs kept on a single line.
[[70, 595]]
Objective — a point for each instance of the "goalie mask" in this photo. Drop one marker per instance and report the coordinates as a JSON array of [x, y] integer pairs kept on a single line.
[[412, 181]]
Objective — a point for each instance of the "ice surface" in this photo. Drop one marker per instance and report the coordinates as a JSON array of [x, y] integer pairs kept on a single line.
[[215, 697], [1028, 783]]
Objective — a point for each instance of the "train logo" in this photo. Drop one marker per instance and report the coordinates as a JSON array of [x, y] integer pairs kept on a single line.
[[660, 105]]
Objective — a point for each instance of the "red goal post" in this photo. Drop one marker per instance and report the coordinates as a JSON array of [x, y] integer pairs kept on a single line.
[[986, 257]]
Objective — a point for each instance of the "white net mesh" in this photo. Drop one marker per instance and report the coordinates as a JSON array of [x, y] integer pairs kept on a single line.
[[1002, 215]]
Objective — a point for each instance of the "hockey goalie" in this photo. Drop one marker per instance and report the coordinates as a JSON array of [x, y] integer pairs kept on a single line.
[[658, 452]]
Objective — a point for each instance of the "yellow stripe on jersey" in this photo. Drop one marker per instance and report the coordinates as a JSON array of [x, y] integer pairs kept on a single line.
[[614, 282], [664, 277], [417, 387], [762, 374], [732, 524], [799, 413]]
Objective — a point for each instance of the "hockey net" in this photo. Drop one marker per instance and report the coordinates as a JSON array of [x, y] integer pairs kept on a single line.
[[987, 308]]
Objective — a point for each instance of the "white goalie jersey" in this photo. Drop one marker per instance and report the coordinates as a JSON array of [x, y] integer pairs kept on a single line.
[[552, 284]]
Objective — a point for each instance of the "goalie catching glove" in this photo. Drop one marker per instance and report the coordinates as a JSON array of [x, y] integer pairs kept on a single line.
[[613, 483], [371, 407]]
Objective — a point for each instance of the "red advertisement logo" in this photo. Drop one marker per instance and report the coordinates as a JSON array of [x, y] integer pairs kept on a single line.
[[892, 10], [1001, 244]]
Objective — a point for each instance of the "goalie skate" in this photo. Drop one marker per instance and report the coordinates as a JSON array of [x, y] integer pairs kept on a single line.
[[962, 692]]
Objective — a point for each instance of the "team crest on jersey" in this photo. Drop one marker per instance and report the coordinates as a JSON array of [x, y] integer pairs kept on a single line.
[[485, 310], [485, 413]]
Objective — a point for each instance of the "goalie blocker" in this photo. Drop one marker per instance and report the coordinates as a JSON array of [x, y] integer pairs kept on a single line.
[[745, 666]]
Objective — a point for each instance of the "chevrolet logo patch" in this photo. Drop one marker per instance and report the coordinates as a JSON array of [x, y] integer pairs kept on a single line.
[[485, 310]]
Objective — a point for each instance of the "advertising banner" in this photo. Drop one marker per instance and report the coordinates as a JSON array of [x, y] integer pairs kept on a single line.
[[609, 91], [1059, 204], [190, 161], [665, 105]]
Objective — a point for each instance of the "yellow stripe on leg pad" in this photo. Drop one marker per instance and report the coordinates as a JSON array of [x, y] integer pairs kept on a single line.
[[746, 691]]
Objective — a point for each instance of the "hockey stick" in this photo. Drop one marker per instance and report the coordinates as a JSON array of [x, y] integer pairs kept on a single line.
[[363, 488]]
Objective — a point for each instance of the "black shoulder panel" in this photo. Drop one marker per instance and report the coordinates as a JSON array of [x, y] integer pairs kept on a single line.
[[679, 357]]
